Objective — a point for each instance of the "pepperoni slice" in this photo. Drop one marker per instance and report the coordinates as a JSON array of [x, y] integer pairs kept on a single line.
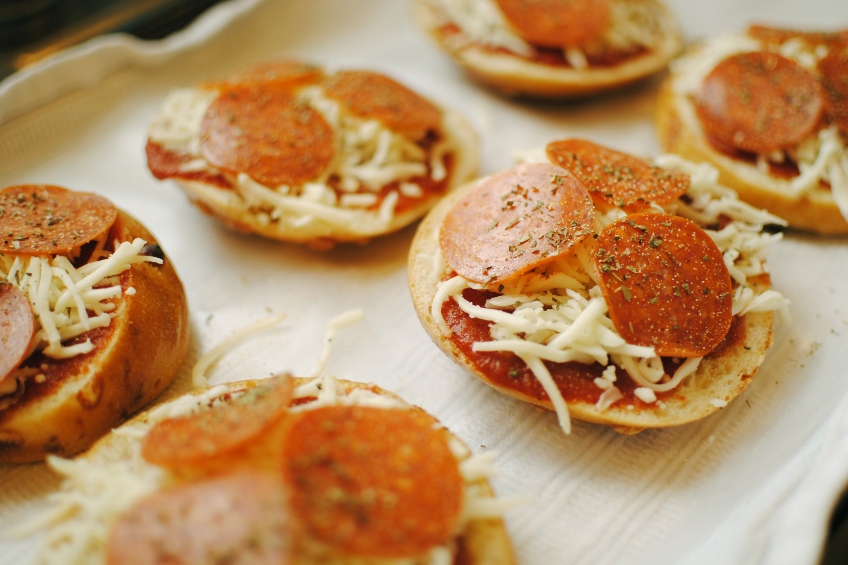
[[264, 131], [557, 23], [617, 178], [164, 164], [288, 72], [666, 284], [38, 219], [17, 326], [833, 70], [236, 519], [514, 221], [373, 482], [778, 36], [374, 96], [759, 102], [189, 439]]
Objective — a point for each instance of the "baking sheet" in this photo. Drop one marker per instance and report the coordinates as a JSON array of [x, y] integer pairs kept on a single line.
[[752, 484]]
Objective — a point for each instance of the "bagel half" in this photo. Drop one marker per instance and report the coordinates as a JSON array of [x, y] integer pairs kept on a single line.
[[721, 376], [482, 541], [680, 131], [134, 359], [516, 74], [312, 208]]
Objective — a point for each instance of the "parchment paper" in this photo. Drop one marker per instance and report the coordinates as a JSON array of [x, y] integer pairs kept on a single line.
[[754, 483]]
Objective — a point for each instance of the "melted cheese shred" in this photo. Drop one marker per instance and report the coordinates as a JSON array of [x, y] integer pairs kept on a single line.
[[368, 157], [559, 314], [198, 372], [70, 301], [821, 157], [632, 24], [93, 496], [95, 493]]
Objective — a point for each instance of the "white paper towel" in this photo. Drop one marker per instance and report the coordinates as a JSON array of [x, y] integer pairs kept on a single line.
[[752, 484]]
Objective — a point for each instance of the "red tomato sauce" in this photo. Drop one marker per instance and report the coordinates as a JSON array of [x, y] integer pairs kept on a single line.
[[574, 380]]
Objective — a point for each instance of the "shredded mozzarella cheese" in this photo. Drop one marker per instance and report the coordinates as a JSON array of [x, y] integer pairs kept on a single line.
[[691, 69], [198, 372], [559, 314], [645, 395], [481, 22], [70, 301], [368, 157], [175, 127], [95, 493], [822, 157], [344, 320], [306, 208]]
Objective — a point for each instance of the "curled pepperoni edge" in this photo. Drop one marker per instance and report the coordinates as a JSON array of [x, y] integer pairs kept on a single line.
[[466, 231], [653, 183], [626, 300], [372, 95], [69, 219], [220, 429]]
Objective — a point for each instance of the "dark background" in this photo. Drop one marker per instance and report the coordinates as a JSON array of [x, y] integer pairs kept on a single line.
[[31, 28]]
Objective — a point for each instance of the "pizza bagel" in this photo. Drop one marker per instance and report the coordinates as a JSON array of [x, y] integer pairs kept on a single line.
[[606, 287], [93, 320], [284, 470], [292, 152], [767, 109], [553, 48]]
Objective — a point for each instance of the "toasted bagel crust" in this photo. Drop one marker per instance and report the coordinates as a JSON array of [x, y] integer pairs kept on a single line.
[[228, 206], [680, 132], [515, 75], [140, 353], [484, 542], [722, 375]]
